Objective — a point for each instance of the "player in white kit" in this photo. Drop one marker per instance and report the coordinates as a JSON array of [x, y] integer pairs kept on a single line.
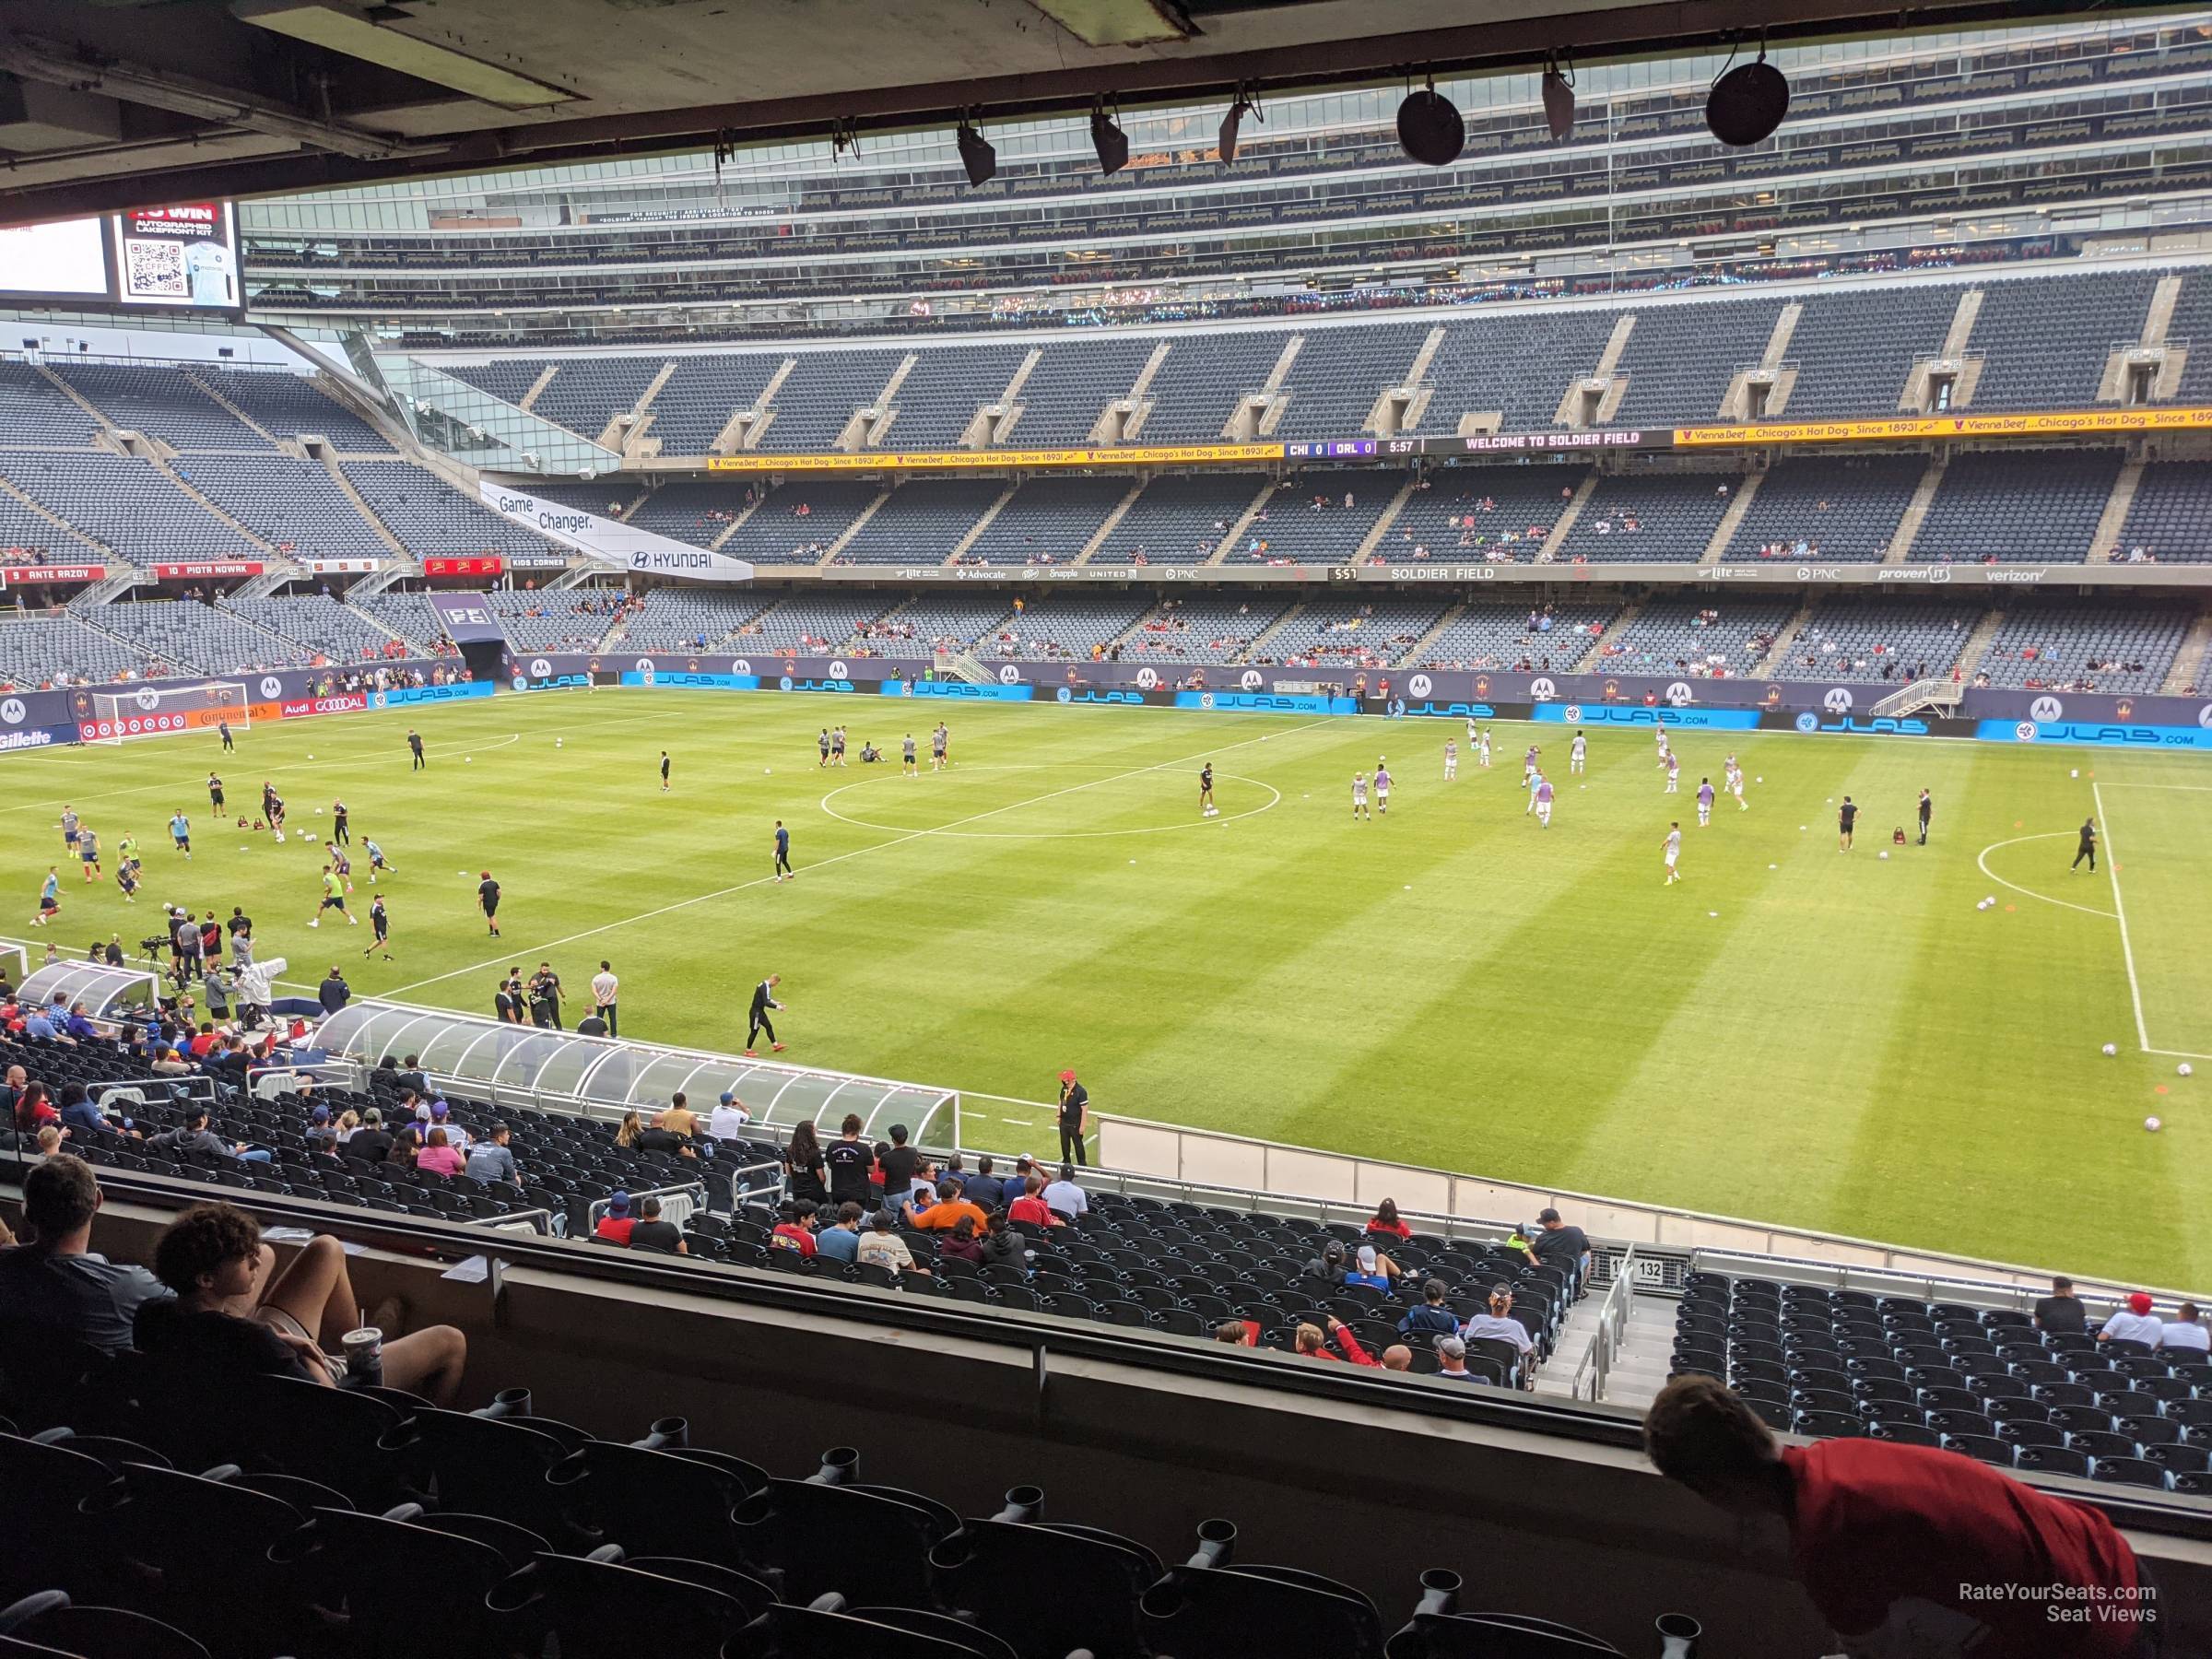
[[1704, 803], [1659, 736], [1359, 795], [1381, 786], [1543, 800], [1450, 758], [1736, 784], [1484, 753], [1673, 773], [1528, 779], [1673, 852], [1472, 733], [1578, 752]]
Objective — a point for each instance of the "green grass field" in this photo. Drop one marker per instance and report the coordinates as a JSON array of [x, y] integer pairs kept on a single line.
[[1790, 1035]]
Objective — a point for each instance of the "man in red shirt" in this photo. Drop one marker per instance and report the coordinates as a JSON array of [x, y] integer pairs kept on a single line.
[[1909, 1550], [795, 1231], [616, 1225], [1030, 1207], [1310, 1345]]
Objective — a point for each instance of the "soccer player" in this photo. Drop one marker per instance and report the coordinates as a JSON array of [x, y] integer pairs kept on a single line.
[[1359, 796], [1673, 773], [415, 749], [126, 879], [224, 727], [1704, 803], [1673, 852], [214, 793], [1484, 750], [1382, 787], [180, 832], [663, 771], [1528, 780], [940, 744], [380, 926], [376, 860], [334, 898], [545, 998], [2088, 849], [1846, 816], [274, 803], [87, 850], [1928, 811], [784, 870], [339, 832], [1450, 758], [1735, 778], [69, 828], [340, 864], [764, 1004], [1659, 733], [822, 747], [1578, 752], [837, 746], [487, 901], [908, 765], [50, 897], [1206, 792], [268, 800], [1473, 734], [1542, 797]]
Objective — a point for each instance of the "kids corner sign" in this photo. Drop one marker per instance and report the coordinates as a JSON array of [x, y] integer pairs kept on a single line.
[[610, 540]]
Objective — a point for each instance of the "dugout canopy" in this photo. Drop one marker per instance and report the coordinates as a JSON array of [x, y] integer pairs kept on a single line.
[[487, 1059], [101, 989]]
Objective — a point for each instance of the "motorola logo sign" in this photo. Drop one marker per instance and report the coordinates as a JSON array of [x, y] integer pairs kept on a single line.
[[540, 668], [2204, 717], [839, 671], [12, 711], [741, 666], [644, 664], [1678, 694], [271, 685], [1418, 685], [1541, 689], [1252, 680], [1839, 701], [1007, 676], [2046, 710], [1147, 679], [148, 698]]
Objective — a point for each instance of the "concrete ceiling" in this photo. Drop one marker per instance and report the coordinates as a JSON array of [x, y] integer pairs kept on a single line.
[[112, 103]]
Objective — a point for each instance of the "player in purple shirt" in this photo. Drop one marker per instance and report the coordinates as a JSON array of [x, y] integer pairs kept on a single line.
[[1382, 787], [1705, 802]]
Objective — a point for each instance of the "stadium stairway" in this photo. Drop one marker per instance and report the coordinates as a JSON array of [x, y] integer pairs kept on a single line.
[[1639, 1364], [1916, 512], [1789, 631], [2188, 668], [1252, 652]]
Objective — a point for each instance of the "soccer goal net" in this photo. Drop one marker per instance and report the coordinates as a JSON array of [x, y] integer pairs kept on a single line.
[[164, 710]]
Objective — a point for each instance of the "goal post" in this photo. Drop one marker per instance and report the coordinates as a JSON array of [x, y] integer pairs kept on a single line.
[[165, 710]]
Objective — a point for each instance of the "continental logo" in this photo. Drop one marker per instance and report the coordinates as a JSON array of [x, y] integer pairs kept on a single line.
[[1187, 455], [2047, 424]]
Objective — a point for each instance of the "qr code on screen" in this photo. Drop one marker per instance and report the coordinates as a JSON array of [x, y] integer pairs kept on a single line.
[[156, 268]]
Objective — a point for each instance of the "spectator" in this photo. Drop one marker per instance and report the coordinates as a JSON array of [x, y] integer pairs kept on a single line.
[[441, 1118], [1367, 1269], [53, 1279], [840, 1241], [1452, 1360], [2061, 1312], [78, 1112], [1497, 1324], [411, 1077], [805, 1175], [1327, 1272], [2134, 1322], [1032, 1207], [232, 1318], [881, 1246], [897, 1161], [630, 1131], [848, 1162], [728, 1119], [334, 993], [1556, 1244], [194, 1136], [1310, 1343], [1432, 1318], [370, 1143], [440, 1156], [2185, 1334], [653, 1233], [1237, 1333], [491, 1159], [795, 1230], [1001, 1246], [1064, 1198], [985, 1190], [965, 1243], [678, 1119], [1397, 1357], [617, 1223], [33, 1108], [1886, 1538], [1386, 1220], [950, 1209]]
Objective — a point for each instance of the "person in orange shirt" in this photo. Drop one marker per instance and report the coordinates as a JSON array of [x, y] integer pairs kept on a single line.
[[945, 1213]]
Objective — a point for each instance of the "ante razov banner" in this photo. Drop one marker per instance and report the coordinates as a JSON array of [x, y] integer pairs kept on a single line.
[[610, 540]]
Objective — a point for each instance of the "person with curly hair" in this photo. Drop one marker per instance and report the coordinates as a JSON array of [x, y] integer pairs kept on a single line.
[[234, 1317]]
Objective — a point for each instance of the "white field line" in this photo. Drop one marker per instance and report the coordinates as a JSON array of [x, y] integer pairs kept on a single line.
[[897, 841], [2127, 953], [1982, 859]]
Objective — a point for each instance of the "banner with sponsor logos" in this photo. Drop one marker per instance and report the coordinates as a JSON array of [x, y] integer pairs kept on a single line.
[[610, 540], [42, 575], [2070, 423], [203, 568], [40, 719], [346, 567], [1134, 454], [489, 564]]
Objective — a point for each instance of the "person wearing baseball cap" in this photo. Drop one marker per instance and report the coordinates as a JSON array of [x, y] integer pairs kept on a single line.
[[2134, 1322], [1075, 1118], [1555, 1243], [616, 1226], [728, 1119], [1451, 1362]]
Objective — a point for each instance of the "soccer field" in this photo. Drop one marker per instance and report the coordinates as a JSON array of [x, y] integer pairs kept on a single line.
[[1790, 1035]]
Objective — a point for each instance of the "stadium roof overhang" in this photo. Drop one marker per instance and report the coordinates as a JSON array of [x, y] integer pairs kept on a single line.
[[139, 103]]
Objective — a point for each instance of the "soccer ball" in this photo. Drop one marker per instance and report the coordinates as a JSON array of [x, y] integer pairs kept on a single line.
[[1760, 779], [2152, 1125], [1990, 901], [557, 742], [468, 760], [1883, 853], [2184, 1070], [2110, 1049]]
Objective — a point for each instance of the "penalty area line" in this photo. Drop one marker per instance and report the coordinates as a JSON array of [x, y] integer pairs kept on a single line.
[[2128, 952]]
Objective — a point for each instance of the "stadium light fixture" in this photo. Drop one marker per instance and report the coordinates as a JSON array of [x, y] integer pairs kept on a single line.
[[976, 154], [1747, 102], [1239, 108], [1430, 129], [1108, 139], [1559, 99]]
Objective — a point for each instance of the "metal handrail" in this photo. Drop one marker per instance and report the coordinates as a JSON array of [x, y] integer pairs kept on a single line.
[[1611, 1329]]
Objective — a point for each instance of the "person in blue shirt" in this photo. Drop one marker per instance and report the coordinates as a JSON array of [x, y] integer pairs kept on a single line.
[[1368, 1270], [180, 831], [1432, 1318], [77, 1026], [783, 870], [982, 1187], [77, 1111], [50, 897], [39, 1023], [489, 1158], [840, 1241]]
